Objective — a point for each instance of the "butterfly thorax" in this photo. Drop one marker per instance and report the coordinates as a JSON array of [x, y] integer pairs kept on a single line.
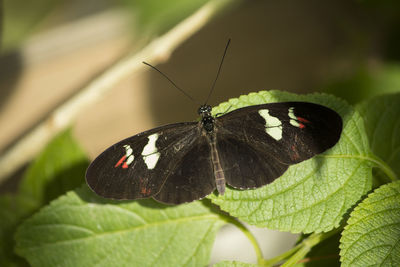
[[207, 120]]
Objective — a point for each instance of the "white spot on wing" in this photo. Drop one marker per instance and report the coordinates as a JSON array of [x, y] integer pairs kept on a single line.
[[273, 125], [150, 152], [293, 119], [128, 150], [130, 159]]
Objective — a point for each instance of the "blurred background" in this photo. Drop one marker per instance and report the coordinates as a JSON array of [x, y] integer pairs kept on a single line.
[[50, 49]]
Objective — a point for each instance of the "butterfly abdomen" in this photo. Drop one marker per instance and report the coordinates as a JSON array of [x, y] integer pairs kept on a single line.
[[218, 171]]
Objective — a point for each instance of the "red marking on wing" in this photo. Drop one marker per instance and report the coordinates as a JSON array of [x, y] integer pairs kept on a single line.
[[302, 119], [302, 126], [295, 155], [145, 191], [124, 165], [120, 161]]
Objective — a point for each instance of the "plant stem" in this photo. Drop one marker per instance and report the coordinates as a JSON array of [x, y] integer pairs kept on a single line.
[[385, 168], [281, 257], [250, 236], [294, 255], [307, 244], [374, 159]]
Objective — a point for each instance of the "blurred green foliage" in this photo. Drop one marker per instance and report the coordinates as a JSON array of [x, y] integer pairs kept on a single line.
[[155, 16], [22, 18], [367, 82], [378, 71]]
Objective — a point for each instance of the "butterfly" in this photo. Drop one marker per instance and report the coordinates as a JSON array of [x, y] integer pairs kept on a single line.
[[246, 148]]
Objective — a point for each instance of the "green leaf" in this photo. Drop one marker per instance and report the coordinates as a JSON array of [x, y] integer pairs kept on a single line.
[[372, 236], [314, 195], [85, 230], [32, 12], [234, 264], [58, 168], [382, 123], [11, 212]]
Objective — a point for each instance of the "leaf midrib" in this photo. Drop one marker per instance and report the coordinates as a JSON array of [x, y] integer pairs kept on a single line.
[[318, 202], [250, 199], [136, 228]]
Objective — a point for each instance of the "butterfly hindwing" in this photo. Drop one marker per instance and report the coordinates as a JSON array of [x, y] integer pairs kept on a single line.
[[246, 166], [192, 177], [138, 166], [257, 143]]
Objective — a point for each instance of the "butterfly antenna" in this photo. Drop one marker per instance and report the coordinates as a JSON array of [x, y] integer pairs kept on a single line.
[[219, 70], [174, 84]]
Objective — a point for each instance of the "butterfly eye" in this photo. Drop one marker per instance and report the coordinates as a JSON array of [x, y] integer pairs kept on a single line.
[[204, 110]]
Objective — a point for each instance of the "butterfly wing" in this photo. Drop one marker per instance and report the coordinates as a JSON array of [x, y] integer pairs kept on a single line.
[[258, 143], [192, 176], [139, 166], [247, 166], [255, 145]]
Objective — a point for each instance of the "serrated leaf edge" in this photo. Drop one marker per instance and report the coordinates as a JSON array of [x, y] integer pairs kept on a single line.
[[353, 220]]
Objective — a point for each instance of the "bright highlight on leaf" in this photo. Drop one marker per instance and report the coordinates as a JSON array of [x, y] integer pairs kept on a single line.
[[314, 195], [80, 229], [372, 236]]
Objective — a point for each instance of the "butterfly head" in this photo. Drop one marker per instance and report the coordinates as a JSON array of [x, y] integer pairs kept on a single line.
[[204, 111]]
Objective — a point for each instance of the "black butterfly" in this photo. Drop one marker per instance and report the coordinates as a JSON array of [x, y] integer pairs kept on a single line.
[[246, 148]]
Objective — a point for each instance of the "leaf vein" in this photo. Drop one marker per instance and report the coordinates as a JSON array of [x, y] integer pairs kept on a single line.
[[198, 244], [369, 232], [322, 200], [130, 213], [366, 251], [136, 228], [172, 235]]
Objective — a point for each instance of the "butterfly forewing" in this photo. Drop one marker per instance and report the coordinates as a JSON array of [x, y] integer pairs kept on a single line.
[[138, 166], [257, 143]]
